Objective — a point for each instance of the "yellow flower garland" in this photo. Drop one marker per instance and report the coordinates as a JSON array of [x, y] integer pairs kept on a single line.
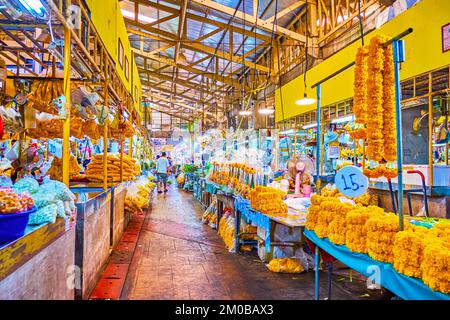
[[360, 94], [381, 231], [389, 125], [356, 231], [375, 100], [408, 251]]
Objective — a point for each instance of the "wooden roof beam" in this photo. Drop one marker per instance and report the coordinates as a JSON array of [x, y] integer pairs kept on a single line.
[[266, 25], [161, 35]]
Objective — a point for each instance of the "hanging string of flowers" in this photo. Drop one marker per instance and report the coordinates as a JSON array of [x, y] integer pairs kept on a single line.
[[375, 101], [389, 126], [358, 129]]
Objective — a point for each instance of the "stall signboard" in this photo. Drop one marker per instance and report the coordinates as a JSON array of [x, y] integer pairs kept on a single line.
[[351, 182], [333, 152], [55, 148]]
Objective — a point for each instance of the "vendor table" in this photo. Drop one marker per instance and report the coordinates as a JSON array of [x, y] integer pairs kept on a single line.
[[37, 265], [268, 223], [403, 286]]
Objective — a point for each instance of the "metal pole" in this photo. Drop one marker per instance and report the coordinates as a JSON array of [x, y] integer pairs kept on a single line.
[[66, 121], [318, 136], [105, 142], [397, 47], [316, 273]]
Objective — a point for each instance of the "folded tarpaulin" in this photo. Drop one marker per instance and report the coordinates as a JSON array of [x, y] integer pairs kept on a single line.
[[382, 273]]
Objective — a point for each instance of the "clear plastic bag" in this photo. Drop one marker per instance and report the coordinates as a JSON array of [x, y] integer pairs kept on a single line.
[[43, 199], [59, 189], [45, 215], [26, 184]]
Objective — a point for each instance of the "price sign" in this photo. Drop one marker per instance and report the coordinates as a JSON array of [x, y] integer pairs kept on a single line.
[[351, 182], [333, 152], [55, 148]]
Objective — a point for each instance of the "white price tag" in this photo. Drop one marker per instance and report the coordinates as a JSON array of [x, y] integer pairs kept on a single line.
[[55, 148], [351, 182]]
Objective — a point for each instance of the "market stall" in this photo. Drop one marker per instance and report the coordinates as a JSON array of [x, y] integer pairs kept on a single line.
[[66, 194]]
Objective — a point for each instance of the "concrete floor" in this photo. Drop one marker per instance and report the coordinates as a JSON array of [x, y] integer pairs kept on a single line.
[[177, 257]]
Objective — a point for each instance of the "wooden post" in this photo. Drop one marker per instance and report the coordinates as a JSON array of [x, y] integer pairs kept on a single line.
[[66, 122]]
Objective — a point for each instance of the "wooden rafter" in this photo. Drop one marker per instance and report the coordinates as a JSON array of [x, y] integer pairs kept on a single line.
[[170, 38], [266, 25]]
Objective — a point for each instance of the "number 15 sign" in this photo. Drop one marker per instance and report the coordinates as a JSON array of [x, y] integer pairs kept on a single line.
[[351, 182]]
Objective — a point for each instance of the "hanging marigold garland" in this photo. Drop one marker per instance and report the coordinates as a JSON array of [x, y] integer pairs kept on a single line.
[[375, 100], [389, 125], [358, 129]]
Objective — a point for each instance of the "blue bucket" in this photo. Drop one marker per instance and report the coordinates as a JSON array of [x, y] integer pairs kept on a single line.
[[13, 225]]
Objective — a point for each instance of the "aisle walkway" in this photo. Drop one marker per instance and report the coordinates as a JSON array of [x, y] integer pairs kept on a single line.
[[177, 257]]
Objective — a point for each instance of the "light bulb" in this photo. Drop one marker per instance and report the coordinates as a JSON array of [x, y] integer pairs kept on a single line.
[[305, 101]]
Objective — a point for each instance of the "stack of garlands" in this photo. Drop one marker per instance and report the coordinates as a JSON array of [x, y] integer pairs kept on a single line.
[[220, 177], [268, 201], [331, 209], [356, 231], [436, 259], [408, 250], [285, 265], [381, 231], [378, 80], [313, 211]]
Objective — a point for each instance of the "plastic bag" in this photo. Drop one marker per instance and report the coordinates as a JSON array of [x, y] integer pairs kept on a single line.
[[60, 211], [59, 189], [13, 153], [5, 182], [42, 200], [26, 184], [45, 215]]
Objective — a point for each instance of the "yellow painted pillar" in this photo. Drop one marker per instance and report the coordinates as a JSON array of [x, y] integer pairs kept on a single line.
[[105, 142], [66, 122], [131, 146]]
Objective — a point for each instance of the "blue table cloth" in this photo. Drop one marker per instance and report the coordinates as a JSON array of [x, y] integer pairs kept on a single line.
[[403, 286]]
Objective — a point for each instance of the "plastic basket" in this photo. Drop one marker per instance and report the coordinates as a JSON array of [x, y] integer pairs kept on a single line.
[[13, 225]]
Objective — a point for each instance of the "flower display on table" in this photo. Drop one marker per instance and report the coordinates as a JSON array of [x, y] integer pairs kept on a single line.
[[408, 250], [381, 231]]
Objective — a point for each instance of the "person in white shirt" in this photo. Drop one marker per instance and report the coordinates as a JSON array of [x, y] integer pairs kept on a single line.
[[162, 168]]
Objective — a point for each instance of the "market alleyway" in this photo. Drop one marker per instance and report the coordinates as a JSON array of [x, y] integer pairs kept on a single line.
[[177, 257]]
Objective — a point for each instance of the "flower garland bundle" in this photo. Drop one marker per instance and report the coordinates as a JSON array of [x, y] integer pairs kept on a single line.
[[408, 251], [389, 126], [329, 210], [381, 231], [268, 200], [285, 265], [356, 232], [337, 230], [358, 131], [226, 231], [375, 100], [313, 211], [436, 264]]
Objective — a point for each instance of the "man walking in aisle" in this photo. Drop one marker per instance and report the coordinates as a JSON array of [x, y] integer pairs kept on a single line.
[[162, 167]]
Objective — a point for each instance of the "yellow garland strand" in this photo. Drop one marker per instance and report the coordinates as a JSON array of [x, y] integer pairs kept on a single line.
[[389, 127], [375, 100], [360, 94]]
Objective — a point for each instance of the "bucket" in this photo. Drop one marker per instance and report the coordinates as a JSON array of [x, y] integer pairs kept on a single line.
[[13, 225]]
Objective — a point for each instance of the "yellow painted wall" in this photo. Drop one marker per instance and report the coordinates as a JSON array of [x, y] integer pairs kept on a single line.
[[110, 25], [423, 53]]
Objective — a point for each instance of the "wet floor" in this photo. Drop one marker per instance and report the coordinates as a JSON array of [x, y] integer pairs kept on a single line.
[[177, 257]]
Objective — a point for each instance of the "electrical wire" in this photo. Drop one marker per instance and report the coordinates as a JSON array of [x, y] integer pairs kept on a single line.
[[361, 27]]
